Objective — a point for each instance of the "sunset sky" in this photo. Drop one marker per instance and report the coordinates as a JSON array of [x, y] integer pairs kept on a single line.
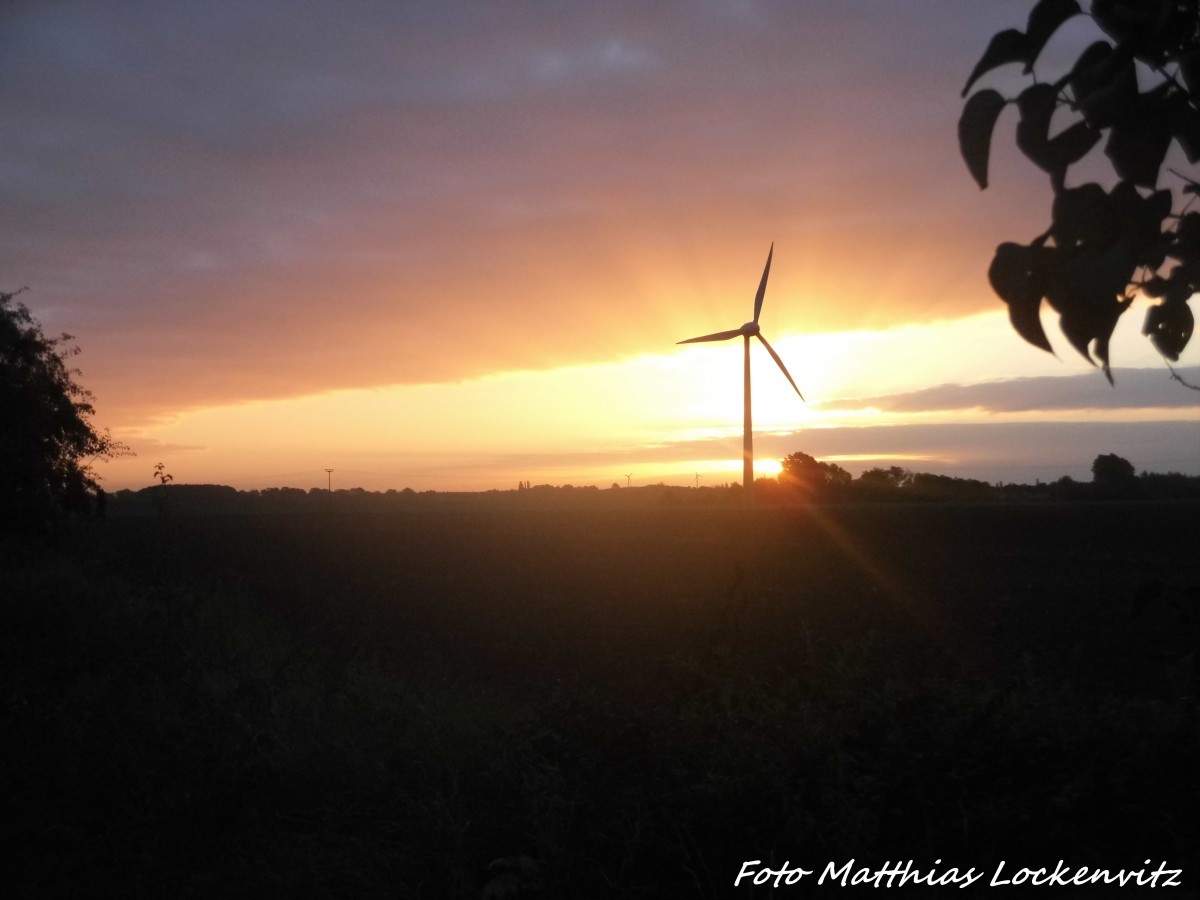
[[453, 245]]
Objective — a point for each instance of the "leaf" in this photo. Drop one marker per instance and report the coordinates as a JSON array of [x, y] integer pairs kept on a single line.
[[1089, 293], [1044, 20], [1081, 215], [1026, 321], [1037, 104], [1186, 246], [1155, 287], [1189, 68], [1156, 207], [1005, 47], [1145, 26], [975, 128], [1078, 331], [1139, 141], [1104, 84], [1105, 335], [1169, 327], [1016, 276], [1112, 17], [1153, 255], [1141, 221], [1098, 276], [1185, 126], [1087, 67], [1071, 145], [1091, 68], [1176, 289]]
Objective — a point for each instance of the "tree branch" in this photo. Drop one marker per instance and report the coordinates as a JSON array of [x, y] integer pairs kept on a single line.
[[1177, 377], [1170, 76]]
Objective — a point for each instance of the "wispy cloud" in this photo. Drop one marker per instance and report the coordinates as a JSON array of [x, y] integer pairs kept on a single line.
[[1135, 389], [151, 448]]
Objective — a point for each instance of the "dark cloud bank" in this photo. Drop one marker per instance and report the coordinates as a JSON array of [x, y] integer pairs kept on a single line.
[[1133, 389]]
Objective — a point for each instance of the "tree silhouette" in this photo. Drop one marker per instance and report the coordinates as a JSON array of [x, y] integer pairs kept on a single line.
[[810, 476], [1110, 469], [891, 478], [1135, 86], [47, 441]]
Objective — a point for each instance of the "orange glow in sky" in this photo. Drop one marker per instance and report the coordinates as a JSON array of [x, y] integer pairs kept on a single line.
[[659, 415], [453, 246]]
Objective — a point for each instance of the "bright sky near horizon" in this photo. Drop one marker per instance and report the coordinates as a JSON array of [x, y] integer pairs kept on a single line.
[[453, 245]]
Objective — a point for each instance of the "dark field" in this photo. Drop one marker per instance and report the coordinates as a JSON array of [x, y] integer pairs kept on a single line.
[[472, 697]]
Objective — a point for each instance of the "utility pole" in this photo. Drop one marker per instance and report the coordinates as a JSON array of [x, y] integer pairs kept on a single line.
[[329, 487]]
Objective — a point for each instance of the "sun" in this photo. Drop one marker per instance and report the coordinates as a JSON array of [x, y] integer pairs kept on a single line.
[[769, 468]]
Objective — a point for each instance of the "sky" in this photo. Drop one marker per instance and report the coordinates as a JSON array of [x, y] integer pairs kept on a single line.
[[451, 246]]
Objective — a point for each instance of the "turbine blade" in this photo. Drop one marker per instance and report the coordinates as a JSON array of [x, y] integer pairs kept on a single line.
[[719, 336], [762, 285], [782, 367]]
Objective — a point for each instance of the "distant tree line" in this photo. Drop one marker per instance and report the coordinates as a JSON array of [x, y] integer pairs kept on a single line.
[[205, 498], [804, 478]]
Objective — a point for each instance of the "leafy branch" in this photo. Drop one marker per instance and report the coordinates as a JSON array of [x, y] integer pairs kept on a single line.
[[1086, 265]]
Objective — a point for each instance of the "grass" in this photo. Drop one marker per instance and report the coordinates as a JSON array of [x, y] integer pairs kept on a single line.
[[172, 741], [491, 704]]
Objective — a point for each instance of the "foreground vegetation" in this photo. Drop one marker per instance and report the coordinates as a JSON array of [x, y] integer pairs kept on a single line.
[[479, 700]]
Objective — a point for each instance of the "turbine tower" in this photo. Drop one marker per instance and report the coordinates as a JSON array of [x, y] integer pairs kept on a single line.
[[747, 331]]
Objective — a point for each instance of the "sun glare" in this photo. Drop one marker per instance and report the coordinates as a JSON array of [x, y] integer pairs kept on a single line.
[[768, 468]]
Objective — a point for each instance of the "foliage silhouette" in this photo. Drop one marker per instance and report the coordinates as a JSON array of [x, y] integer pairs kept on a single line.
[[1108, 468], [893, 477], [819, 480], [1103, 246], [161, 499], [47, 440]]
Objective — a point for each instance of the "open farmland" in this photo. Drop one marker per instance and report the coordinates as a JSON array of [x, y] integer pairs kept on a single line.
[[470, 584], [473, 694]]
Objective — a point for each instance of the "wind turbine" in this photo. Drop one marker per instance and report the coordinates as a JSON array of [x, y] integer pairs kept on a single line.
[[747, 331]]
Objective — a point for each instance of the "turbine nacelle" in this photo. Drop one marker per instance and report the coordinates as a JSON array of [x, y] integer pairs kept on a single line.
[[750, 329]]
